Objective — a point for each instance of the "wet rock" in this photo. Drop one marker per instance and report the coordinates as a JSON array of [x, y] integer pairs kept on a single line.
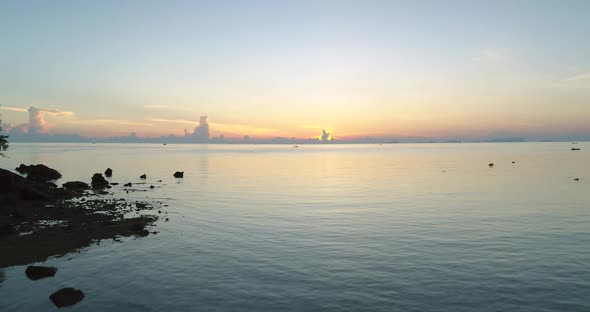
[[140, 230], [75, 186], [38, 272], [108, 173], [9, 181], [575, 148], [143, 176], [99, 182], [513, 162], [491, 164], [128, 184], [114, 183], [66, 297], [179, 174], [38, 173], [151, 186], [576, 179]]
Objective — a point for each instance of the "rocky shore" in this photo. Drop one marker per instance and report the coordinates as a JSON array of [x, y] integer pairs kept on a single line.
[[39, 219]]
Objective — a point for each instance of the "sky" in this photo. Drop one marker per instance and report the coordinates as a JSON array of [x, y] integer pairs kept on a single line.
[[440, 69]]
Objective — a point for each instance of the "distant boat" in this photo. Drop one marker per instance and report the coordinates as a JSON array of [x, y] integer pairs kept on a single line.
[[575, 149]]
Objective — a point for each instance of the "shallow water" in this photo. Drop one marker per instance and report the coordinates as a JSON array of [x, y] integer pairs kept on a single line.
[[400, 227]]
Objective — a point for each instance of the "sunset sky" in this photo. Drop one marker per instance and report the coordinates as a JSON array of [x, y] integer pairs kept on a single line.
[[291, 68]]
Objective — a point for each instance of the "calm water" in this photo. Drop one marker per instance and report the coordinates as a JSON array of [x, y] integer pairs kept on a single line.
[[424, 227]]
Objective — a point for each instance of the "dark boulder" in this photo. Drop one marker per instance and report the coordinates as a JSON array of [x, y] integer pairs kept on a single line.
[[38, 272], [179, 174], [99, 182], [114, 183], [75, 186], [9, 182], [66, 297], [38, 173], [108, 173], [151, 186], [128, 184], [143, 176], [491, 164]]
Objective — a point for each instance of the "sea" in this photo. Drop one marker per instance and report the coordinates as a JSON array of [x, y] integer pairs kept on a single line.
[[391, 227]]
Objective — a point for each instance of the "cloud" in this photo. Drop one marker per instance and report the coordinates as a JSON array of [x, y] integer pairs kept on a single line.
[[37, 122], [201, 132], [325, 136], [113, 122], [579, 77], [179, 121], [14, 109]]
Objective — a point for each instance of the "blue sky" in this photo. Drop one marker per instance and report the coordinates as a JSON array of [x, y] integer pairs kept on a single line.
[[268, 68]]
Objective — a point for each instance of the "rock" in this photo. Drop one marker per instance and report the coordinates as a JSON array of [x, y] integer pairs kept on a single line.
[[9, 181], [151, 186], [179, 174], [114, 183], [143, 176], [75, 186], [66, 297], [38, 173], [577, 179], [108, 173], [575, 149], [128, 184], [491, 164], [7, 230], [98, 181], [513, 162], [38, 272]]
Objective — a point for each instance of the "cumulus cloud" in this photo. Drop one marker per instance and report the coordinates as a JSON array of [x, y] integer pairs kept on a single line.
[[325, 136], [201, 132], [37, 122]]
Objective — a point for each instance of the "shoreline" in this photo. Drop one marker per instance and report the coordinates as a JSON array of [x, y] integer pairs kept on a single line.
[[39, 220]]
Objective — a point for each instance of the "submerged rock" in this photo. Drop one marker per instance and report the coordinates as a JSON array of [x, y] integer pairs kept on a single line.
[[143, 176], [38, 173], [38, 272], [108, 173], [66, 297], [75, 186], [179, 174], [99, 182]]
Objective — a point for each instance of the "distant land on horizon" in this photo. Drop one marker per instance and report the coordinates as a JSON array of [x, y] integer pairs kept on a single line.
[[172, 139]]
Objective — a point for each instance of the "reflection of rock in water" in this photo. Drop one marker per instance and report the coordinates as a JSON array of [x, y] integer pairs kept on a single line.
[[2, 277]]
